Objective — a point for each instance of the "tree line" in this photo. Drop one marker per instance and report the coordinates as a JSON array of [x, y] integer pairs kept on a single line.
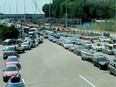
[[84, 9], [7, 32]]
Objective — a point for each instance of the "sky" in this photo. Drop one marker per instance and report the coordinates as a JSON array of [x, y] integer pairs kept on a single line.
[[10, 6]]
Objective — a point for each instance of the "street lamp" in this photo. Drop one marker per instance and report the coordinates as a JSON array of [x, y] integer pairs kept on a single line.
[[66, 15], [50, 13], [16, 6]]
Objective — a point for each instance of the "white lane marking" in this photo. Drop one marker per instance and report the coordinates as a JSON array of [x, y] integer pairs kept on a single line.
[[23, 81], [87, 81]]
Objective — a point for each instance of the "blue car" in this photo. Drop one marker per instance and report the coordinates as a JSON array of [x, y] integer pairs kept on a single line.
[[15, 81]]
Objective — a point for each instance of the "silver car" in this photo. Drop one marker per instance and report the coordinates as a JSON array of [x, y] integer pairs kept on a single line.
[[112, 67]]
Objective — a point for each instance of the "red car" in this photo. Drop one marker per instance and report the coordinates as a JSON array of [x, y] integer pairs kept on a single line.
[[12, 60], [9, 71]]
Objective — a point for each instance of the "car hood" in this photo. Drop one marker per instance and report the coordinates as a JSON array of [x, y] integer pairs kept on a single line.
[[24, 45], [102, 63], [8, 51], [10, 73]]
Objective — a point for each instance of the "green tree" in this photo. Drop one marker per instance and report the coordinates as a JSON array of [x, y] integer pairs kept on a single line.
[[84, 9], [8, 32]]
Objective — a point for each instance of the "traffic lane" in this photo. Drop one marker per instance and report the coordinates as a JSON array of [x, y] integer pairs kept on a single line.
[[2, 84], [1, 49], [50, 71], [50, 65]]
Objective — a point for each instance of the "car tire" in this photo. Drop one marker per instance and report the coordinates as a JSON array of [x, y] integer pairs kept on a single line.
[[109, 71], [99, 66], [82, 58], [5, 80], [23, 51], [94, 64]]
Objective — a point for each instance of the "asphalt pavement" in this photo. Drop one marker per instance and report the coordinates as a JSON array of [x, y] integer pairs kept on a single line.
[[50, 65]]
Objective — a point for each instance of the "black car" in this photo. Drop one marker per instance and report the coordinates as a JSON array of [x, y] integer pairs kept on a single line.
[[9, 42], [15, 81], [101, 62]]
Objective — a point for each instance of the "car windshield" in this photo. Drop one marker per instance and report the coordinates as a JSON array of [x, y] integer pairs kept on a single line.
[[15, 85], [95, 39], [68, 42], [13, 68], [7, 40], [10, 49], [24, 43], [88, 43], [102, 59], [11, 59], [80, 47]]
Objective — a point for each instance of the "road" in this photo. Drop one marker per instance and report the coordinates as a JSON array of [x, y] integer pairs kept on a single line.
[[50, 65]]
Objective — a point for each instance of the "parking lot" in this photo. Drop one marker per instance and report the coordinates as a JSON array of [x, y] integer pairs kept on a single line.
[[50, 65]]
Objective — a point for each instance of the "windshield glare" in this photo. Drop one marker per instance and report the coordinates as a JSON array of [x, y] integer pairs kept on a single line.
[[10, 49], [102, 59], [12, 59], [11, 68]]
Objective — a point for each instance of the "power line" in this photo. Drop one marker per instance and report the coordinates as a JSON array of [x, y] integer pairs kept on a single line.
[[24, 7], [37, 7]]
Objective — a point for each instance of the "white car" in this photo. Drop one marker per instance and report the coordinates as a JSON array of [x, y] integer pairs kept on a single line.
[[97, 47], [104, 39], [26, 45]]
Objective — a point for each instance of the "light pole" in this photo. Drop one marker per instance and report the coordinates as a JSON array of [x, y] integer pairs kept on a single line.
[[24, 10], [50, 13], [66, 15], [16, 6], [9, 7], [35, 7]]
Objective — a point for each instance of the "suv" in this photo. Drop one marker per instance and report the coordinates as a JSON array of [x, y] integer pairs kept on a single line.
[[9, 51], [101, 61], [9, 41], [112, 67]]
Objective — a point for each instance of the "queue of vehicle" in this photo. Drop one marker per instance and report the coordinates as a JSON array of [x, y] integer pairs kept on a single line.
[[87, 48], [11, 56]]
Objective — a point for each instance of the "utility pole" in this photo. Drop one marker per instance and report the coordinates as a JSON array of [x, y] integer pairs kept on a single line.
[[50, 13], [9, 7], [21, 28], [24, 10], [4, 7], [36, 7], [16, 6], [66, 15]]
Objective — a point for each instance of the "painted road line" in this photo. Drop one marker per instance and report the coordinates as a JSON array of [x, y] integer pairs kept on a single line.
[[87, 81], [23, 81]]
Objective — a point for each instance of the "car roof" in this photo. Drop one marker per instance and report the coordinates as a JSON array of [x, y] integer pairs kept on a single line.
[[11, 65], [99, 56], [10, 46], [12, 56]]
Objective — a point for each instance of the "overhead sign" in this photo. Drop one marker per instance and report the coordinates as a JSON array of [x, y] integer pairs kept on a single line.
[[86, 24]]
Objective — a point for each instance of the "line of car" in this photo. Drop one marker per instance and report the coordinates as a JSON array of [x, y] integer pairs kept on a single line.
[[87, 49], [11, 55]]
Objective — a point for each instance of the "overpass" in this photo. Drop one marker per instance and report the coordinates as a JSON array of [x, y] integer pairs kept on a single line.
[[21, 16]]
